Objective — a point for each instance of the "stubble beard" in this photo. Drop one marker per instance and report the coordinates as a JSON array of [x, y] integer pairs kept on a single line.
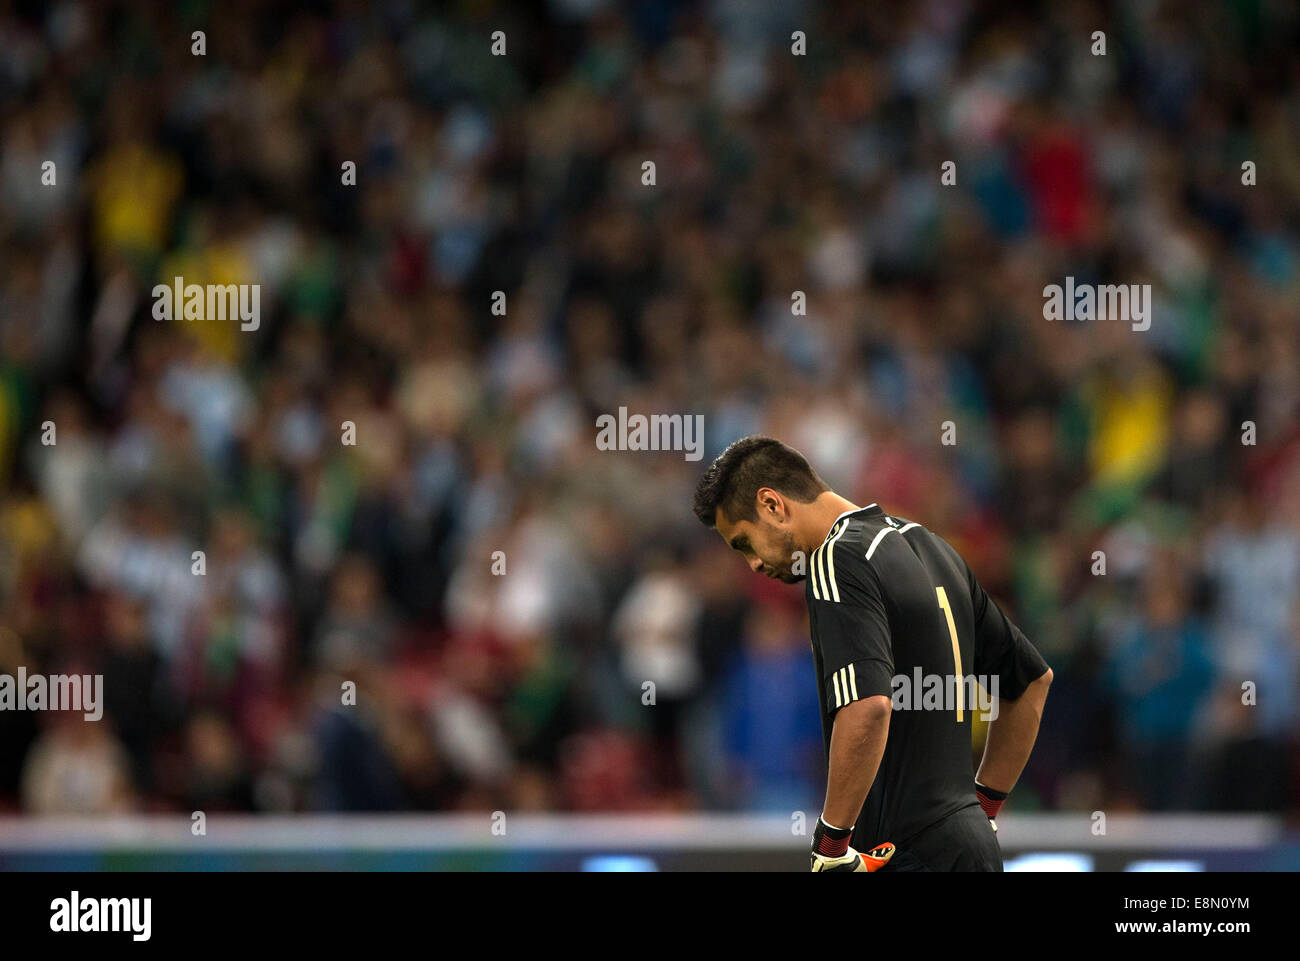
[[788, 549]]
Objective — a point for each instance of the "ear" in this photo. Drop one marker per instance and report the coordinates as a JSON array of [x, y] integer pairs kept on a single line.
[[769, 504]]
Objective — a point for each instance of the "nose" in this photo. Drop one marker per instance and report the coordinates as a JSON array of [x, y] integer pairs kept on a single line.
[[756, 565]]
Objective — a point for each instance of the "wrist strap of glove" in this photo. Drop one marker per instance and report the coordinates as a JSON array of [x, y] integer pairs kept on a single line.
[[831, 842], [990, 799]]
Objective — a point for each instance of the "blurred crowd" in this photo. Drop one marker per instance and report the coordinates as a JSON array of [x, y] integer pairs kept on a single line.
[[462, 609]]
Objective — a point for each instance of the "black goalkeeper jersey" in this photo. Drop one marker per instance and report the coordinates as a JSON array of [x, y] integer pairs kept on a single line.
[[894, 610]]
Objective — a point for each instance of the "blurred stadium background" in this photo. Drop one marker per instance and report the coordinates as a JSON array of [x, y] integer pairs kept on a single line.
[[521, 173]]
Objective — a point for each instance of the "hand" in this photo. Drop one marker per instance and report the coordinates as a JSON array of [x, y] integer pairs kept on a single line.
[[831, 852]]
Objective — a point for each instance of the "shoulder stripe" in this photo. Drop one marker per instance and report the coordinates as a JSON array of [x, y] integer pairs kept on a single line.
[[876, 540], [830, 560]]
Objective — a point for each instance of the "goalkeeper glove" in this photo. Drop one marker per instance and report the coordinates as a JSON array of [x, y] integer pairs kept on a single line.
[[831, 852], [990, 800]]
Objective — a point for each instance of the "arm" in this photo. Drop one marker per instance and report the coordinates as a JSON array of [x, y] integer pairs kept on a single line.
[[851, 631], [1001, 649], [1011, 736], [857, 745]]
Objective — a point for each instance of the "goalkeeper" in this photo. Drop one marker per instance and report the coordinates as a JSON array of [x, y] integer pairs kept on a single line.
[[889, 603]]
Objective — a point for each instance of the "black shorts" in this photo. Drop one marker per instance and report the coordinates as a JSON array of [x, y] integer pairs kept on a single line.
[[964, 841]]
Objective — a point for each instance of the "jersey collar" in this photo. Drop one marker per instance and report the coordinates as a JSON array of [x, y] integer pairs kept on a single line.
[[841, 517]]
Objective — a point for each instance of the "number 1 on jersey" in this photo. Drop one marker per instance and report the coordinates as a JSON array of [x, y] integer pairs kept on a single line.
[[956, 651]]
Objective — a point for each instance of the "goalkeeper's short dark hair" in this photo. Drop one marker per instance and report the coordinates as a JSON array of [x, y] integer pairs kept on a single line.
[[734, 478]]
